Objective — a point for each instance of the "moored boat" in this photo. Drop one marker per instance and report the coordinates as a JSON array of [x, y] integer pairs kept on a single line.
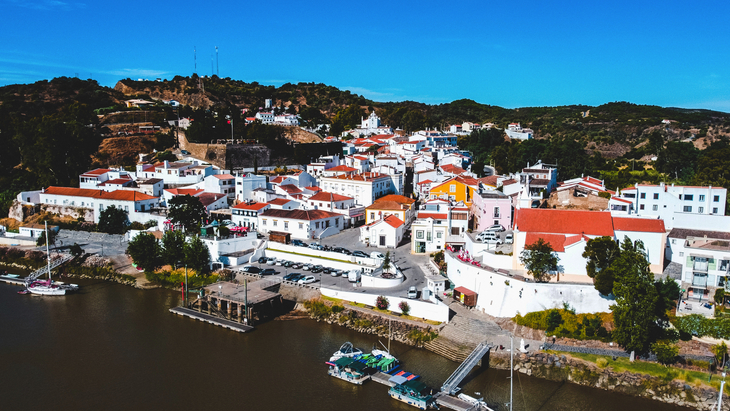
[[349, 370], [346, 350], [412, 392]]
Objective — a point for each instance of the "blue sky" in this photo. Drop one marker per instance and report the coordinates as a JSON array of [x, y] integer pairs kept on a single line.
[[512, 54]]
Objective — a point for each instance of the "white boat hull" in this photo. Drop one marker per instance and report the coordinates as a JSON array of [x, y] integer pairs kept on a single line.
[[42, 290]]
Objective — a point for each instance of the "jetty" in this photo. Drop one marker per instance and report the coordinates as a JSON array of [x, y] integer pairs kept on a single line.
[[12, 279], [211, 319]]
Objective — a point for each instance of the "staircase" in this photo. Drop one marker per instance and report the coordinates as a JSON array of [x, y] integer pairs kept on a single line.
[[39, 272], [451, 386]]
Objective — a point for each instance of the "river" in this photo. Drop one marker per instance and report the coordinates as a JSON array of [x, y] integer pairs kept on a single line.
[[114, 347]]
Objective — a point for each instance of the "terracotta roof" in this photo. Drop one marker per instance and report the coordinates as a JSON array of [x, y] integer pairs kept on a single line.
[[341, 168], [277, 179], [595, 223], [308, 215], [290, 188], [508, 182], [313, 188], [685, 232], [210, 198], [425, 182], [465, 291], [452, 169], [489, 180], [253, 206], [385, 205], [639, 224], [123, 195], [556, 241], [325, 196], [539, 182], [435, 216], [185, 191], [279, 201], [393, 221], [96, 172], [361, 177], [397, 198], [623, 200], [224, 176]]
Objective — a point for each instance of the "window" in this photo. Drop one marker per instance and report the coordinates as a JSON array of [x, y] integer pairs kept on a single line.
[[641, 206], [700, 209], [714, 210], [419, 235], [428, 236], [687, 209], [496, 212], [702, 197], [439, 234], [263, 222], [716, 198], [372, 216], [452, 188], [674, 241], [642, 195], [681, 254], [656, 196], [286, 225], [316, 225], [301, 226], [689, 197], [654, 207], [274, 223]]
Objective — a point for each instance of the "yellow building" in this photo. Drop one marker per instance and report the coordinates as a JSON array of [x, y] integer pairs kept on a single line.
[[457, 189], [392, 204]]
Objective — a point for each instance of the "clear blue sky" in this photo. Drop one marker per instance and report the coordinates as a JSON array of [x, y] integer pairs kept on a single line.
[[512, 54]]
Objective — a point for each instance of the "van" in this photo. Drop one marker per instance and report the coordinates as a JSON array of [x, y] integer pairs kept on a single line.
[[376, 255], [353, 276]]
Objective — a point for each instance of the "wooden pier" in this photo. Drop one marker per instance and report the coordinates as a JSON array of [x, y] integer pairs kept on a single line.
[[12, 280], [382, 378], [457, 404], [211, 319]]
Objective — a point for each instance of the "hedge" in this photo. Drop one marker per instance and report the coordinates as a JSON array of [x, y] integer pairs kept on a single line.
[[696, 324]]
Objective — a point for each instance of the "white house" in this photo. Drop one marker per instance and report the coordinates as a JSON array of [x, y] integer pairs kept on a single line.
[[213, 201], [136, 204], [265, 117], [386, 232], [515, 131], [364, 188], [678, 206], [176, 173], [246, 214], [246, 183], [218, 183], [283, 204], [702, 259], [338, 204], [304, 224]]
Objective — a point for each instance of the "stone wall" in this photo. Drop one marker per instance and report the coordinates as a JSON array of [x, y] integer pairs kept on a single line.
[[20, 211], [69, 211], [229, 156], [561, 368]]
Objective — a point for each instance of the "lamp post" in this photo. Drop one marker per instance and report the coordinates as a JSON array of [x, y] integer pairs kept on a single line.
[[186, 286], [230, 120]]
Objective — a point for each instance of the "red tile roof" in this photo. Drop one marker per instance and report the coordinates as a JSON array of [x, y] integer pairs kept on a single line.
[[425, 182], [369, 176], [508, 182], [556, 241], [435, 216], [185, 191], [290, 188], [535, 220], [277, 179], [645, 225], [313, 188], [342, 168], [279, 201], [393, 221], [96, 172], [122, 195], [210, 198], [489, 180], [252, 206], [308, 215], [224, 176], [325, 196], [397, 198], [452, 169]]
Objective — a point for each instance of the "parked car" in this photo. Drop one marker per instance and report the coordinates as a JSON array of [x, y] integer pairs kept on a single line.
[[496, 228], [251, 269], [296, 266], [185, 152], [262, 260], [315, 246], [307, 279], [299, 243], [353, 276], [293, 277], [376, 254], [287, 264], [271, 261], [335, 273], [316, 269], [307, 267], [359, 253], [489, 237], [228, 223], [509, 238], [327, 270], [412, 293], [344, 251], [268, 271]]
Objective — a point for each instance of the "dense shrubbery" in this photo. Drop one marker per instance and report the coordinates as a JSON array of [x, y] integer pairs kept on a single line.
[[698, 325], [317, 308], [175, 277], [30, 258], [565, 323]]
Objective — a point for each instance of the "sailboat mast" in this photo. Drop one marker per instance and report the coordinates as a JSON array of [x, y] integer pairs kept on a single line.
[[48, 254], [511, 368]]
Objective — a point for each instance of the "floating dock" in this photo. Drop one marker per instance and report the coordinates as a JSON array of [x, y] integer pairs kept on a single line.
[[382, 378], [211, 319], [457, 404], [12, 280]]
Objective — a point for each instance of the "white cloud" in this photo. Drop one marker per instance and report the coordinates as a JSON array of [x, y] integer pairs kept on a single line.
[[47, 4]]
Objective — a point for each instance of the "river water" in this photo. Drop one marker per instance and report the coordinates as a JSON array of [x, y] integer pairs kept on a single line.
[[114, 347]]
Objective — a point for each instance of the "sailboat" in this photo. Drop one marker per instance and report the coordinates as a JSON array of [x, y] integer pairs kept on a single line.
[[47, 287]]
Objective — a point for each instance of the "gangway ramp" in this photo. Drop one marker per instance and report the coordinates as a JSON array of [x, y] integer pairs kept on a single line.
[[451, 386], [43, 270]]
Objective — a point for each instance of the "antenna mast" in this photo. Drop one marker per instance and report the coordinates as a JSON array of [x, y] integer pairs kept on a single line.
[[217, 68], [195, 59]]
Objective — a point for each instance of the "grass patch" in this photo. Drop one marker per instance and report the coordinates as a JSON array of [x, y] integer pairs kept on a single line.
[[622, 364]]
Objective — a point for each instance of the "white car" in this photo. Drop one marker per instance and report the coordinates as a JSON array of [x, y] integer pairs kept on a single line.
[[271, 261], [496, 228], [308, 279]]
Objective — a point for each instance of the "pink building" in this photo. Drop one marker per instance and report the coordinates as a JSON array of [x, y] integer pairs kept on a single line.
[[491, 207]]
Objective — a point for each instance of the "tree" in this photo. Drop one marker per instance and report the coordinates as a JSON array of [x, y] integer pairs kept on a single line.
[[145, 251], [347, 118], [382, 302], [554, 320], [386, 262], [186, 211], [678, 159], [634, 313], [197, 255], [720, 351], [539, 259], [42, 239], [413, 121], [113, 220], [173, 247], [600, 253], [404, 307], [666, 352]]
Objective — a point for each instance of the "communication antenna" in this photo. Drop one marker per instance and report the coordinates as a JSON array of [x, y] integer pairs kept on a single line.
[[212, 71], [195, 59], [217, 68]]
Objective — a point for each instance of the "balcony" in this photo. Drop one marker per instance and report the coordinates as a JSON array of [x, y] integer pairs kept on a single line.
[[700, 266], [699, 280]]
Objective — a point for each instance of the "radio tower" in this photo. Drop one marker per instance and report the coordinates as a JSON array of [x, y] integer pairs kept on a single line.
[[217, 69], [195, 59]]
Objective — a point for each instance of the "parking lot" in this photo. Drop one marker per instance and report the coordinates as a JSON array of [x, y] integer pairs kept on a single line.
[[92, 243], [409, 264]]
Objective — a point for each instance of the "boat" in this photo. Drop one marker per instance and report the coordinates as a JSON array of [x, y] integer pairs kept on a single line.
[[412, 392], [346, 350], [47, 287], [348, 369], [477, 402]]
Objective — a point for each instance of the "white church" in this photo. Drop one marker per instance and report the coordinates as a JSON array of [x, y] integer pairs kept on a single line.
[[370, 126]]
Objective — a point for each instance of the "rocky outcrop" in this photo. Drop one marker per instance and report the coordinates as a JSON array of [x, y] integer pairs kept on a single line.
[[562, 368]]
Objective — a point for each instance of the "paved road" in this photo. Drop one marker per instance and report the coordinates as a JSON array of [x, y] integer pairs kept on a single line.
[[93, 243]]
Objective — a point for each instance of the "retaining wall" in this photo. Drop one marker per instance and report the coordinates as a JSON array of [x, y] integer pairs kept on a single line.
[[436, 311]]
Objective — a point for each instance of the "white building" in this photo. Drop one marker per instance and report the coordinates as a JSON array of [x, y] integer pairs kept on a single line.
[[136, 204], [678, 206], [283, 204], [702, 259], [364, 188], [265, 117], [515, 131], [437, 223], [304, 224], [176, 173], [387, 232], [246, 183], [246, 214], [218, 183]]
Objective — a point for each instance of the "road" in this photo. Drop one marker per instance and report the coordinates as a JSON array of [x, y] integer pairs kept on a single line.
[[92, 243]]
